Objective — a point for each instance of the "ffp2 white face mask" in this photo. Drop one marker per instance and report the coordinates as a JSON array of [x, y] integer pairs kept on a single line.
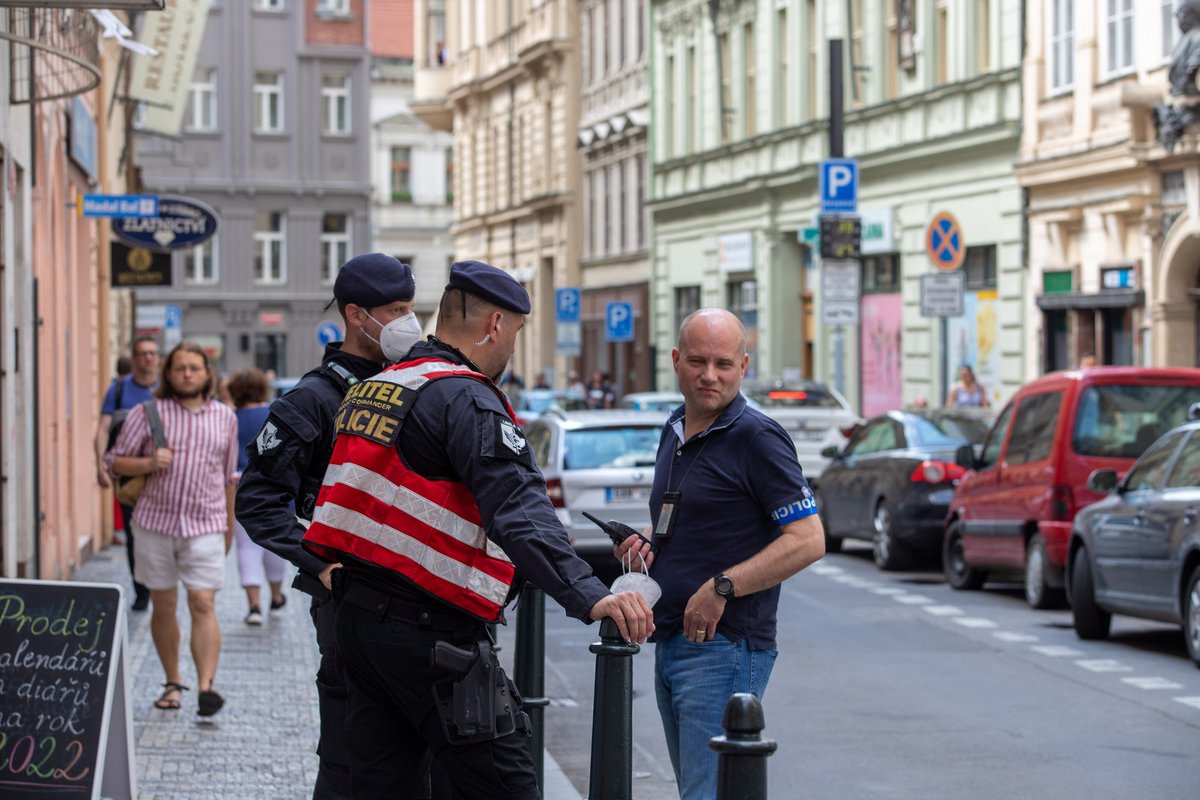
[[398, 336]]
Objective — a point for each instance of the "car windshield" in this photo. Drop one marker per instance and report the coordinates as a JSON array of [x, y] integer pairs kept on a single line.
[[936, 432], [538, 403], [956, 428], [601, 448], [811, 395], [1121, 421]]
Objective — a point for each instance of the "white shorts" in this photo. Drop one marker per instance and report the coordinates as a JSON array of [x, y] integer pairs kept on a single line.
[[161, 561]]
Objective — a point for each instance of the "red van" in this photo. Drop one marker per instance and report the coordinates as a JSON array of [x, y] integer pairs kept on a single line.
[[1012, 511]]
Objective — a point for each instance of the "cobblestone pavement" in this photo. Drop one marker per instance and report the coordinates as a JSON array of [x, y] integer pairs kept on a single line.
[[261, 743]]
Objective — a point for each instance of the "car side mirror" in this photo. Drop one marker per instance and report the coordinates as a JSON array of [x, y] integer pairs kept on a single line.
[[832, 451], [964, 456], [1103, 481]]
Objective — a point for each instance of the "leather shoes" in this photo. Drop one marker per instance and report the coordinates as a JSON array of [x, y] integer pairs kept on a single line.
[[141, 602]]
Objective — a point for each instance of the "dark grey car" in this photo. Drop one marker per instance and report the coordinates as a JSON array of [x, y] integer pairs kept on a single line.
[[1137, 552]]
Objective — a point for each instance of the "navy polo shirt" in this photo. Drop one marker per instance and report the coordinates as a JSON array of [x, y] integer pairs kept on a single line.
[[739, 482]]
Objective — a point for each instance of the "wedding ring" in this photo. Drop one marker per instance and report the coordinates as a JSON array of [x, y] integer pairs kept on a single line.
[[700, 631]]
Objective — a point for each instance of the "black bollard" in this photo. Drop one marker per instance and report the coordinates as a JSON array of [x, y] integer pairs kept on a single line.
[[529, 669], [612, 716], [742, 752]]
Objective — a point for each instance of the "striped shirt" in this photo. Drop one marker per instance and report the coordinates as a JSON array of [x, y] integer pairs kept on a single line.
[[188, 499]]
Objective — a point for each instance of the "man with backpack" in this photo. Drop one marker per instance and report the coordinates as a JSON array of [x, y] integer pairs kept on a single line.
[[125, 393]]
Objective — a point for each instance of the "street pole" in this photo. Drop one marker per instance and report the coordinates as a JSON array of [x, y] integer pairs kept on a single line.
[[837, 150]]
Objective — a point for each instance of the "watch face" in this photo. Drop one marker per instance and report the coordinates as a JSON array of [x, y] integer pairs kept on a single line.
[[724, 586]]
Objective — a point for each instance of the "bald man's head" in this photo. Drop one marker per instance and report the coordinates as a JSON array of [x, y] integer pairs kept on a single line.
[[712, 320]]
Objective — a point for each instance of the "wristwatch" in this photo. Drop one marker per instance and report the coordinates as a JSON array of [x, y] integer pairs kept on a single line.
[[724, 586]]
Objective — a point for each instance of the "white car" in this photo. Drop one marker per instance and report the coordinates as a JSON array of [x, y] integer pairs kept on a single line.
[[814, 415], [652, 401]]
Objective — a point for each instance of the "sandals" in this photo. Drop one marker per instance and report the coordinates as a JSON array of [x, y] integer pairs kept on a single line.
[[210, 702], [165, 701]]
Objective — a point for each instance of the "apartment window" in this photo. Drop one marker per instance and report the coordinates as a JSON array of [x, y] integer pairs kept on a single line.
[[726, 91], [691, 74], [670, 115], [589, 237], [449, 174], [783, 96], [1118, 29], [435, 35], [606, 10], [881, 273], [335, 244], [401, 175], [641, 200], [201, 112], [1062, 44], [268, 5], [268, 102], [608, 221], [333, 8], [979, 267], [857, 39], [269, 265], [335, 102], [620, 33], [687, 300], [814, 56], [891, 60], [641, 29], [943, 42], [983, 28], [200, 263], [1170, 31], [622, 207], [750, 56], [743, 302]]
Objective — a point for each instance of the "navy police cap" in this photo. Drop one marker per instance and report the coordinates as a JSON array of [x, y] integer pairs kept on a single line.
[[373, 279], [489, 283]]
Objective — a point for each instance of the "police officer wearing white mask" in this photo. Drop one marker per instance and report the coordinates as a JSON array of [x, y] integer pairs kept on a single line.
[[374, 295]]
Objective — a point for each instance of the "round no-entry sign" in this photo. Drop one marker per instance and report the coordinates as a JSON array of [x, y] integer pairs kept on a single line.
[[944, 242]]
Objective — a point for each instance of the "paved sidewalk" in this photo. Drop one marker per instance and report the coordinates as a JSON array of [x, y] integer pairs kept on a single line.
[[261, 743]]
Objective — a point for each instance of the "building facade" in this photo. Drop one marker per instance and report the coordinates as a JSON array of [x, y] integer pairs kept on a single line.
[[412, 164], [739, 123], [1114, 217], [504, 79], [612, 141], [276, 139]]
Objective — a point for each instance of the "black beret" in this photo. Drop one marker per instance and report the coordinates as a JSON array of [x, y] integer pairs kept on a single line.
[[489, 283], [373, 279]]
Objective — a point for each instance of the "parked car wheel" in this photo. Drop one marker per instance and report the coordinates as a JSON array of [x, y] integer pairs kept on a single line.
[[889, 554], [1191, 615], [1091, 621], [958, 574], [833, 544], [1038, 593]]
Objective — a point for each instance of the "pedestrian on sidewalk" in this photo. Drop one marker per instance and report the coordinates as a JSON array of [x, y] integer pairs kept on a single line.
[[286, 465], [127, 391], [431, 501], [249, 393], [732, 518], [183, 521]]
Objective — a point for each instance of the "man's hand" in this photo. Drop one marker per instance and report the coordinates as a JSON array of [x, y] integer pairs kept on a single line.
[[161, 460], [326, 575], [634, 551], [630, 611], [704, 610], [103, 478]]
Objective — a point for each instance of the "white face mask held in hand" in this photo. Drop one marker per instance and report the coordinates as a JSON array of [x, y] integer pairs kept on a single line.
[[398, 336], [637, 581]]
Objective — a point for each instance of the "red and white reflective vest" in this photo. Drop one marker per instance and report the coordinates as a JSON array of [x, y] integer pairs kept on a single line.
[[375, 508]]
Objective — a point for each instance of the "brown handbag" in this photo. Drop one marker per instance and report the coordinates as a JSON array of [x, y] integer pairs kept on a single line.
[[129, 488]]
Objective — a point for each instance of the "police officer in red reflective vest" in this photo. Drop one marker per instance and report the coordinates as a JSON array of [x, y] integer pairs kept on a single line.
[[433, 505]]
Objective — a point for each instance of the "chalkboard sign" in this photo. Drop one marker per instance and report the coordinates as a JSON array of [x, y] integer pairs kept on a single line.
[[65, 721]]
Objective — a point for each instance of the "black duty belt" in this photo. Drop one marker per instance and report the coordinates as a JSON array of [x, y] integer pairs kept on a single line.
[[387, 606]]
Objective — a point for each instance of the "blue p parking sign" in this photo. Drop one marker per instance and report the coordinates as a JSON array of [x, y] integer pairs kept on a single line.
[[618, 322], [839, 186]]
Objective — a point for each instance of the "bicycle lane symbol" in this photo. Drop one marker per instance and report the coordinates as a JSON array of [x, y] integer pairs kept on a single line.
[[944, 242]]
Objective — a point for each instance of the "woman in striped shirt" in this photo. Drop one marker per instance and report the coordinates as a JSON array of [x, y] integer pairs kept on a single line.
[[183, 521]]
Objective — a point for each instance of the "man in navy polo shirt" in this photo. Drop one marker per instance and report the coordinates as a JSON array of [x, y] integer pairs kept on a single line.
[[732, 518]]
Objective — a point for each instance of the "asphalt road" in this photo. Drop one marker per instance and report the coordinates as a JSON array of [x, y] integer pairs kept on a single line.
[[893, 685]]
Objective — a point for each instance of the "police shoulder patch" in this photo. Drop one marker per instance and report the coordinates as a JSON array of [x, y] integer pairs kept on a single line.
[[268, 438], [512, 437]]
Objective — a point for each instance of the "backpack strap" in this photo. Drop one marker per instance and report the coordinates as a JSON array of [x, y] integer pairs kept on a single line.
[[120, 390], [155, 422]]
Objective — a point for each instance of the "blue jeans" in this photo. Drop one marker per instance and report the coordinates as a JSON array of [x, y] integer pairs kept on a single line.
[[692, 682]]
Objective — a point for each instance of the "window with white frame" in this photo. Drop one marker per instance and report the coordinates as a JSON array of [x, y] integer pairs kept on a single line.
[[1062, 44], [333, 8], [200, 263], [1170, 31], [269, 253], [335, 244], [268, 5], [201, 112], [335, 100], [1118, 28], [401, 174], [268, 102]]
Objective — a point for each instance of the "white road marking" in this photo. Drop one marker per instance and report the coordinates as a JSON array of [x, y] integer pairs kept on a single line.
[[1103, 665], [974, 622], [825, 569], [1009, 636], [1056, 650], [1152, 683], [1194, 702], [944, 611], [887, 591], [913, 599], [850, 580]]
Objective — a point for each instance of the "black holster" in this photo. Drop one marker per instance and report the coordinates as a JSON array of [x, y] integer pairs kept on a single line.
[[478, 703]]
